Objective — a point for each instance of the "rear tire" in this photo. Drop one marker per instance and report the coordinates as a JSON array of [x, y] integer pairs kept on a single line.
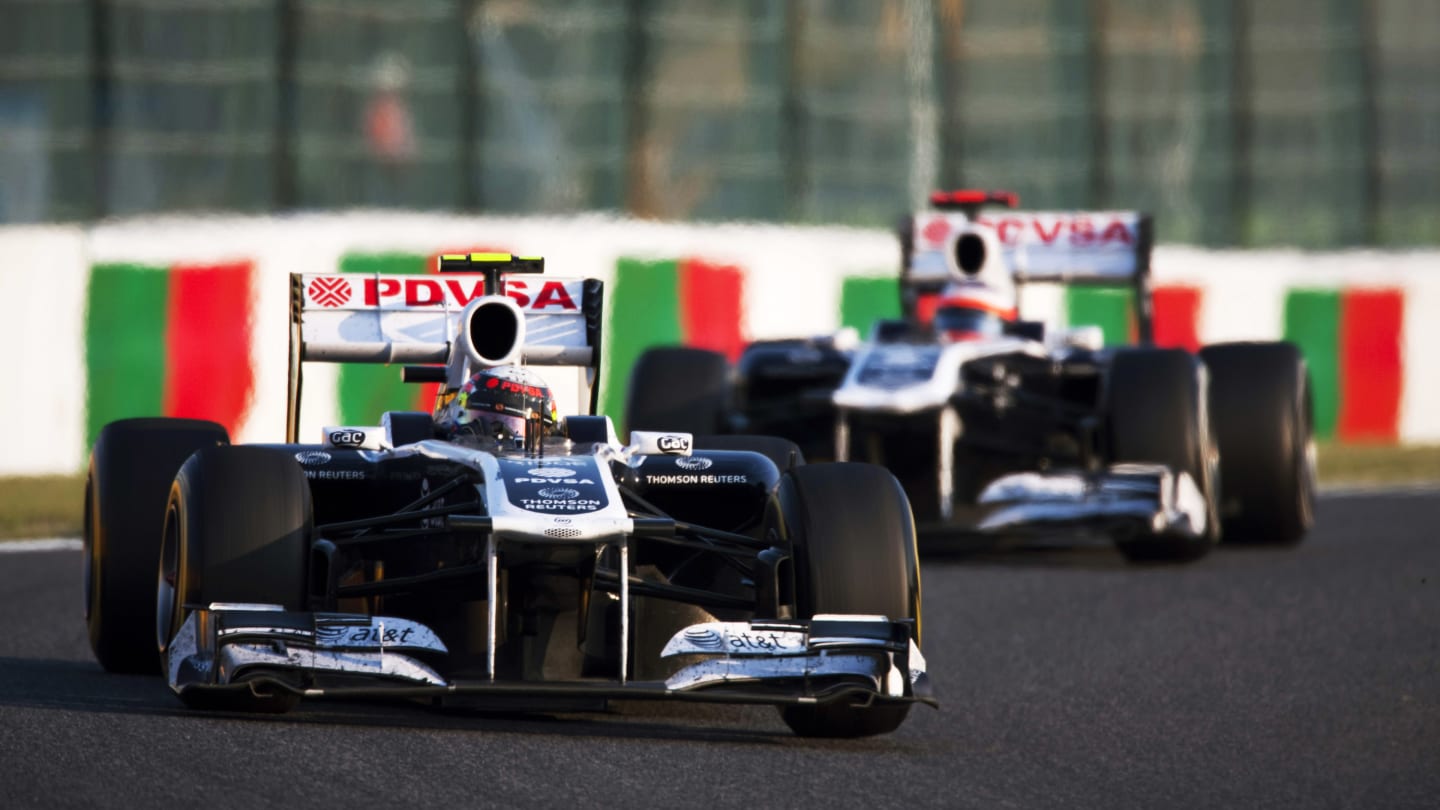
[[1261, 403], [678, 389], [237, 529], [1156, 414], [131, 469], [853, 541]]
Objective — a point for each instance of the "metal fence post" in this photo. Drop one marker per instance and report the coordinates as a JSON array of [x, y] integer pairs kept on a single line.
[[792, 140], [948, 53], [636, 192], [468, 158], [1241, 112], [283, 157], [924, 120], [101, 113], [1368, 56], [1095, 67]]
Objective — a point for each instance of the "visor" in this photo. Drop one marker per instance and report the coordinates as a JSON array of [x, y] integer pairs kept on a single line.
[[965, 323], [488, 428]]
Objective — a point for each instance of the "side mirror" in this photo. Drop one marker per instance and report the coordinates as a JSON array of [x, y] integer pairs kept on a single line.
[[1030, 330], [1084, 337]]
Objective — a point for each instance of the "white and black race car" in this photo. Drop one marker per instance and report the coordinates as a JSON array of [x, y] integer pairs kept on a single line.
[[1001, 427], [556, 573]]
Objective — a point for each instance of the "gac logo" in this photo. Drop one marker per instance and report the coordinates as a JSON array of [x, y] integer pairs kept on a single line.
[[347, 438]]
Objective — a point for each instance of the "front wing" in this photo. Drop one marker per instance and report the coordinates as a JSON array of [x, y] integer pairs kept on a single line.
[[1135, 499], [263, 648]]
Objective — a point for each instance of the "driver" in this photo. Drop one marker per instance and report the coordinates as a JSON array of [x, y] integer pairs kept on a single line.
[[972, 310], [493, 407]]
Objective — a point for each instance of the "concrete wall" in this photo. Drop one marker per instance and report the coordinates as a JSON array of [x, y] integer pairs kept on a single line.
[[187, 316]]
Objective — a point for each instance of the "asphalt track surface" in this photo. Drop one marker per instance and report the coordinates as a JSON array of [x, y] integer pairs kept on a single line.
[[1301, 677]]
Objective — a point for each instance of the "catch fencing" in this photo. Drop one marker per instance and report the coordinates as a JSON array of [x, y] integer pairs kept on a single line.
[[1236, 122]]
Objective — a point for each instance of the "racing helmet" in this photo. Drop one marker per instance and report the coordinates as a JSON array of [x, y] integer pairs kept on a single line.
[[972, 311], [504, 406]]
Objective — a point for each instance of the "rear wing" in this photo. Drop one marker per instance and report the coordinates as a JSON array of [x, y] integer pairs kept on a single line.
[[443, 325], [1109, 248]]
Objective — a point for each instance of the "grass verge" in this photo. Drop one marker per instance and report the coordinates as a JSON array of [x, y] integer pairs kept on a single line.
[[1364, 464], [52, 505], [42, 506]]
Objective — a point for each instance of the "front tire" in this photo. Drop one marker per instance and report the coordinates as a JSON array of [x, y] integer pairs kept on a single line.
[[131, 469], [853, 540], [1261, 402], [237, 529], [1156, 413]]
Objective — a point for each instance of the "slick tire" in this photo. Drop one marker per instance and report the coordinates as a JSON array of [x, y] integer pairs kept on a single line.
[[853, 540], [678, 389], [238, 526], [783, 452], [1260, 403], [131, 469], [1156, 413]]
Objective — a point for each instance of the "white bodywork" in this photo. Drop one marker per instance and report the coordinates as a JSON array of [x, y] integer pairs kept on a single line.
[[907, 378]]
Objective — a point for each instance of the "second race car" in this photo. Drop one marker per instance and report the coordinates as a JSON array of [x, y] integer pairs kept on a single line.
[[1001, 426]]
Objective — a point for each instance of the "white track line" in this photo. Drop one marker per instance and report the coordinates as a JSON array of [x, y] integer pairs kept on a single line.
[[1418, 489], [48, 544]]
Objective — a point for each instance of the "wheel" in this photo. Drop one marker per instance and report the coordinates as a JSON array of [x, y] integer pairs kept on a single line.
[[853, 541], [783, 452], [680, 389], [1156, 413], [131, 468], [1261, 406], [237, 529]]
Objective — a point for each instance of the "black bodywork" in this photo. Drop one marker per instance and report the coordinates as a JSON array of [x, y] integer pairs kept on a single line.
[[1020, 411], [784, 387]]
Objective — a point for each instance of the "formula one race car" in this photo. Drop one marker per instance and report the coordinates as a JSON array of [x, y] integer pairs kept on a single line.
[[494, 553], [1000, 427]]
